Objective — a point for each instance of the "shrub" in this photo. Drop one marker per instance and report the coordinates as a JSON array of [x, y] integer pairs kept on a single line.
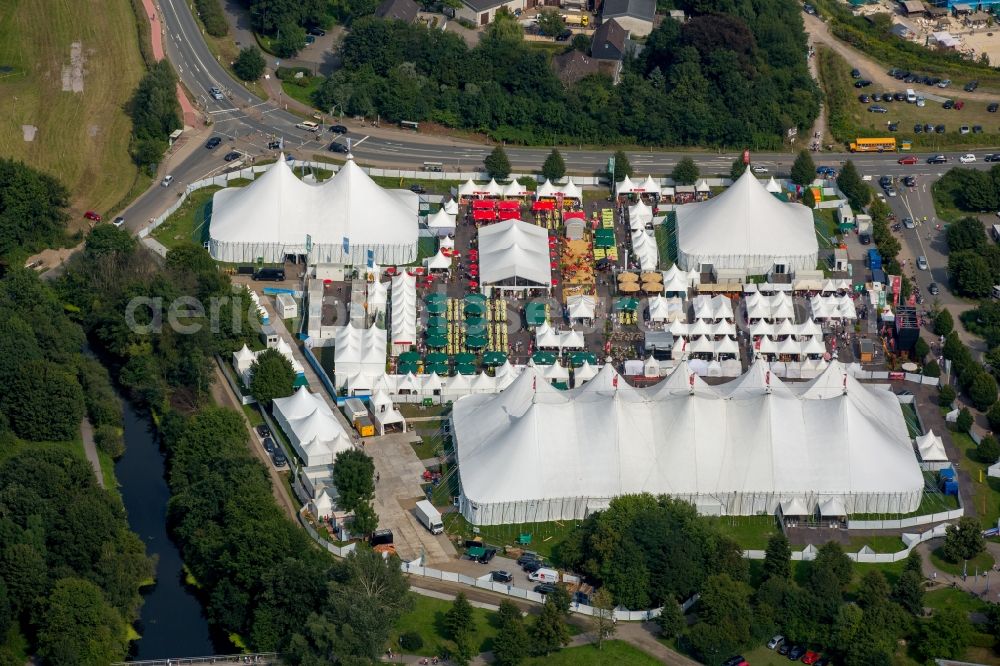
[[943, 323], [109, 439], [983, 390], [946, 396], [988, 450], [993, 416], [411, 641], [964, 421], [932, 369], [211, 15]]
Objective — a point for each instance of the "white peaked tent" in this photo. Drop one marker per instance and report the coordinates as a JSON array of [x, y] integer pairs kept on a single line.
[[581, 306], [747, 445], [639, 215], [272, 216], [404, 313], [702, 187], [659, 309], [441, 222], [515, 189], [322, 505], [439, 262], [772, 186], [378, 297], [546, 189], [446, 242], [467, 189], [515, 255], [571, 190], [746, 228], [358, 351], [450, 206], [645, 250], [585, 373], [312, 428], [931, 447], [650, 186], [675, 281], [794, 507], [625, 186], [492, 188]]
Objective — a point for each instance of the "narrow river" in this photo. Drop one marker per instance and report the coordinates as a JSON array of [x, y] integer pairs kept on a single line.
[[172, 623]]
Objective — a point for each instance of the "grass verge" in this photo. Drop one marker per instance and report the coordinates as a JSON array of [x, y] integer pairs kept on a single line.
[[427, 620], [953, 598], [189, 223], [981, 562], [986, 489], [751, 532], [544, 536], [612, 652], [82, 134]]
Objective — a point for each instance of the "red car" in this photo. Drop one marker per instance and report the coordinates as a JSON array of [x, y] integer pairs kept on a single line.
[[92, 215], [810, 657], [909, 159]]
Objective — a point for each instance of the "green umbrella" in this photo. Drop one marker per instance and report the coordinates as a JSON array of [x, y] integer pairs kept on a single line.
[[494, 358], [437, 331], [577, 358], [543, 358], [475, 298], [436, 357], [534, 313], [475, 341], [466, 369], [627, 303], [406, 367], [437, 308], [409, 357], [475, 325], [437, 341], [465, 358], [433, 322], [474, 308], [436, 297], [440, 368]]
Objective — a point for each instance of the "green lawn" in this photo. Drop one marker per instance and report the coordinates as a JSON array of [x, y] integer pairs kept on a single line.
[[751, 532], [253, 415], [954, 598], [931, 502], [825, 220], [302, 93], [428, 447], [983, 561], [880, 544], [432, 186], [985, 488], [410, 409], [427, 619], [944, 202], [545, 536], [612, 652], [189, 223]]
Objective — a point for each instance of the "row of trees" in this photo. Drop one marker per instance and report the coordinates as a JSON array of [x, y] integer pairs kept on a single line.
[[970, 189], [212, 17], [155, 113], [973, 262], [718, 79], [970, 376]]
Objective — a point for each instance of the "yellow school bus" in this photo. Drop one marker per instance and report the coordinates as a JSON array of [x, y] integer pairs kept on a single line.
[[887, 145]]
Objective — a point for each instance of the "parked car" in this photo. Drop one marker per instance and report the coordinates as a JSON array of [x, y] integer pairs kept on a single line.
[[213, 143], [959, 105], [564, 35], [418, 188], [918, 128], [487, 556], [216, 93], [501, 576], [875, 108], [876, 97], [862, 83], [970, 86], [964, 129], [893, 127], [940, 129], [967, 158], [855, 73], [758, 168], [310, 40], [337, 148], [891, 191], [274, 145], [948, 104], [317, 32], [796, 652], [992, 107], [263, 430], [921, 102], [944, 84], [528, 555], [279, 458], [864, 99], [810, 657], [922, 262], [784, 648], [899, 97], [738, 660], [865, 239], [268, 444], [531, 566], [933, 289], [910, 181], [809, 9], [928, 128], [93, 216], [909, 159], [775, 642], [119, 222], [233, 155], [167, 181], [338, 129], [270, 275], [545, 588], [828, 171], [909, 223], [977, 129]]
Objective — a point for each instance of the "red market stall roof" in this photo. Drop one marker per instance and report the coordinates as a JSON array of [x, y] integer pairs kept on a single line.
[[481, 204], [543, 205], [509, 215], [484, 215], [574, 214], [509, 205]]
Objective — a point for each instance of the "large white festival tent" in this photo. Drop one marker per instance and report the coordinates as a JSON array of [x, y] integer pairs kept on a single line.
[[311, 426], [746, 228], [345, 217], [535, 453], [514, 255]]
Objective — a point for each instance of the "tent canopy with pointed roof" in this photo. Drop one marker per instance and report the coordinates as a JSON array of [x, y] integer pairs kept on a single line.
[[514, 254], [746, 228], [272, 216], [750, 444]]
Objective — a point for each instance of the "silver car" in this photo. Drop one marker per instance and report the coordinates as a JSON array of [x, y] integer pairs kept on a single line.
[[922, 262]]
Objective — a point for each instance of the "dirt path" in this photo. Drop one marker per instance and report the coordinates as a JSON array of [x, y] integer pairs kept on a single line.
[[90, 449], [223, 397], [819, 33]]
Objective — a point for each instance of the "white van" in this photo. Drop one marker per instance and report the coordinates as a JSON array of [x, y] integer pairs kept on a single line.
[[911, 96], [167, 180], [544, 576], [308, 126]]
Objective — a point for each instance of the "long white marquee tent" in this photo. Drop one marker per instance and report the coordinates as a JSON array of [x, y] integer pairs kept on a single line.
[[535, 453], [514, 255], [746, 228], [345, 217]]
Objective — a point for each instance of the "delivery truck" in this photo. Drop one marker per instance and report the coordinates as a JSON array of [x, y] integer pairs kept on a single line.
[[544, 576], [429, 517], [580, 20]]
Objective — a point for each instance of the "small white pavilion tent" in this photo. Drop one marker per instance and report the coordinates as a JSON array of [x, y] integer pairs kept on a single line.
[[931, 447], [546, 189], [650, 186], [515, 189], [581, 307], [625, 186], [441, 222], [439, 262], [772, 186]]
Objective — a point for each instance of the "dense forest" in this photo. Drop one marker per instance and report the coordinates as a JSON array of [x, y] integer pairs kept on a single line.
[[735, 74], [32, 211], [259, 576]]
